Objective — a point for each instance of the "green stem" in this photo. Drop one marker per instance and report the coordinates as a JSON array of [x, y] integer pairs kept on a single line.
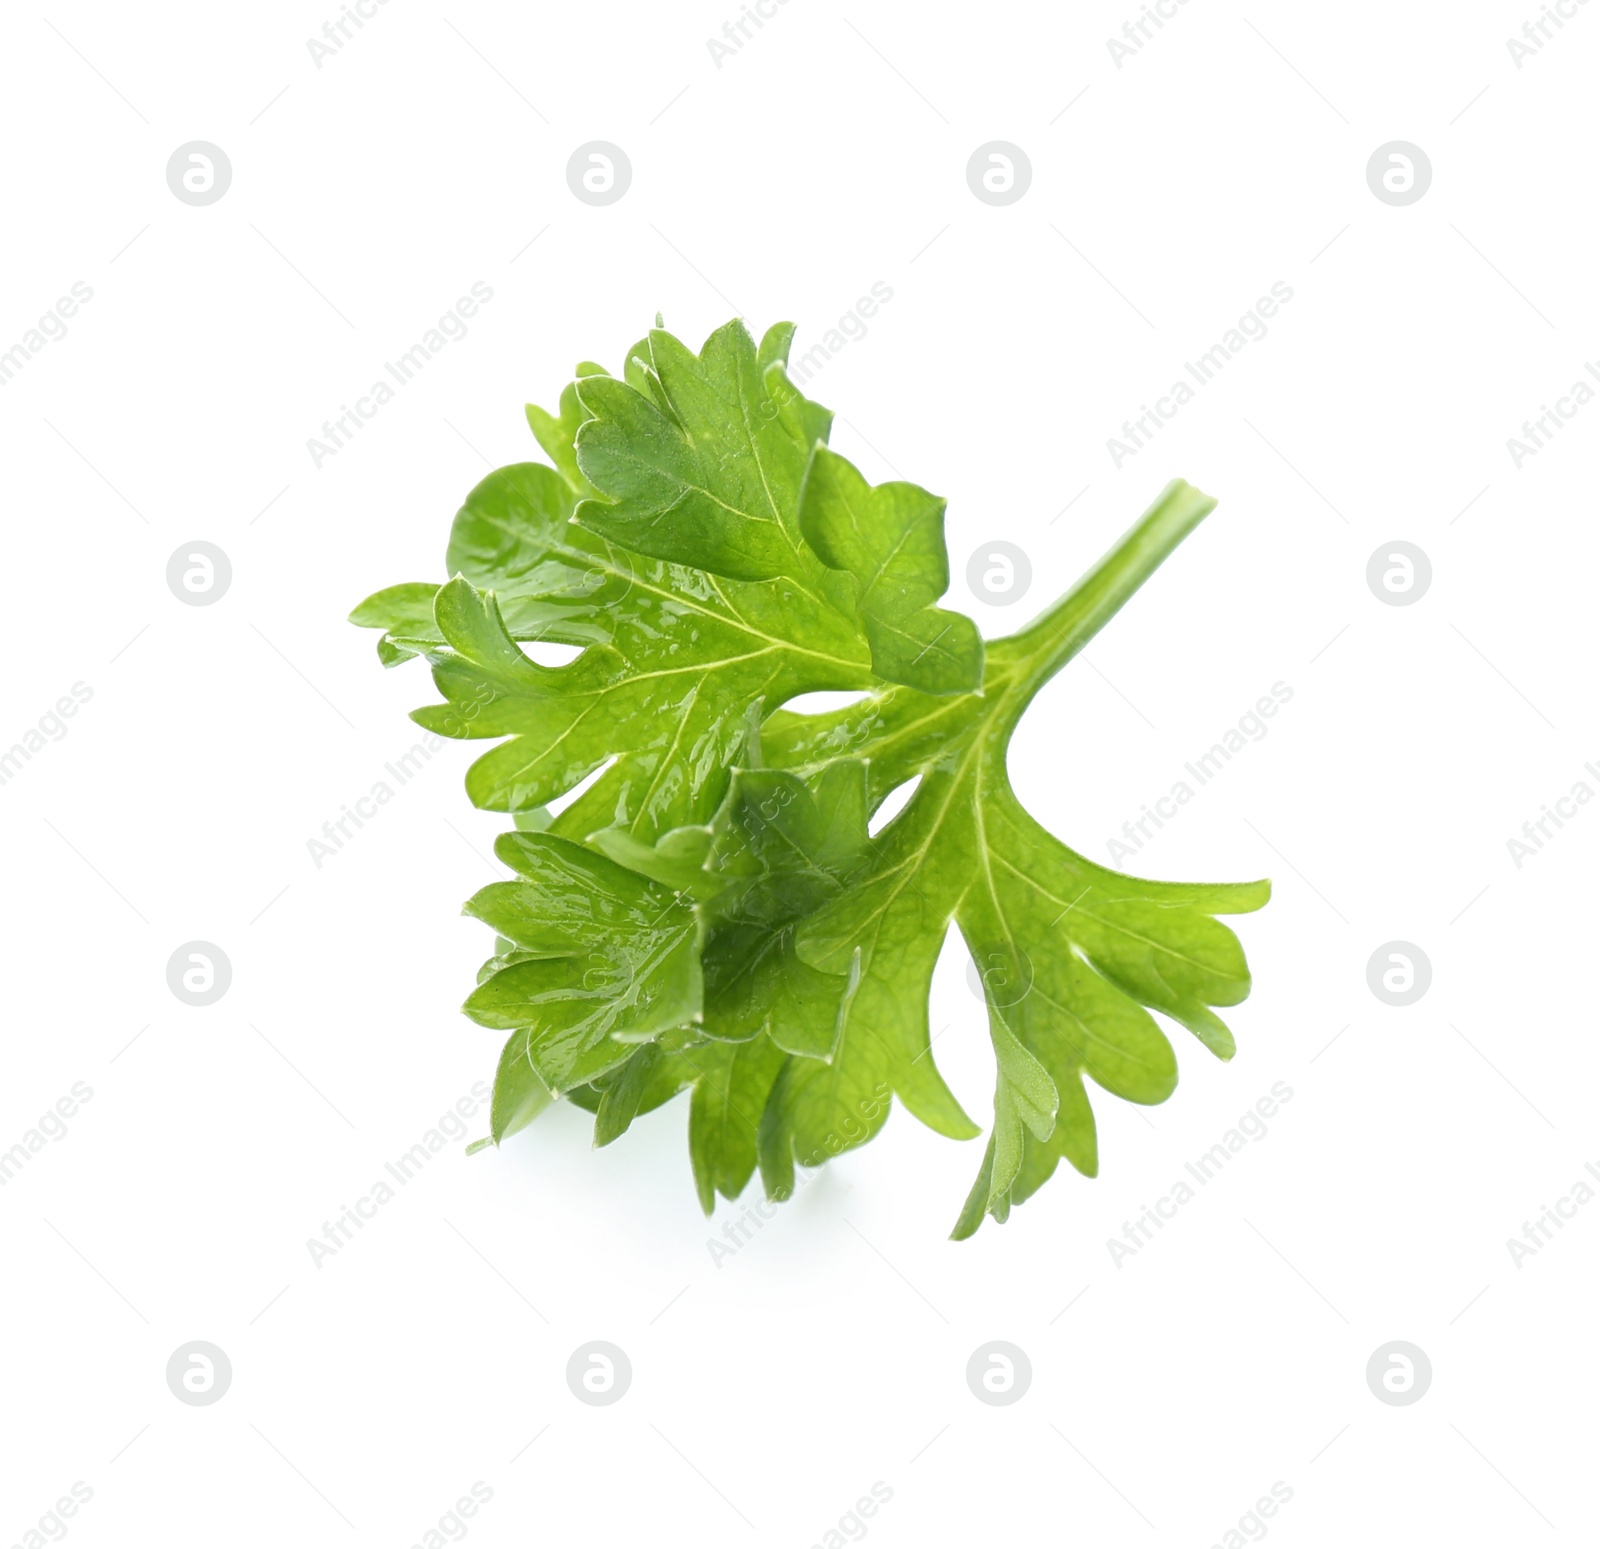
[[903, 731], [1038, 652]]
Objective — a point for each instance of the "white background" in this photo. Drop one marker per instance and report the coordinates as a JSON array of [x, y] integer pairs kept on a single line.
[[829, 1353]]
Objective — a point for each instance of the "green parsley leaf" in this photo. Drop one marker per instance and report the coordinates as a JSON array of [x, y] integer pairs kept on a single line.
[[601, 958], [712, 912], [1069, 952], [892, 538], [678, 658]]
